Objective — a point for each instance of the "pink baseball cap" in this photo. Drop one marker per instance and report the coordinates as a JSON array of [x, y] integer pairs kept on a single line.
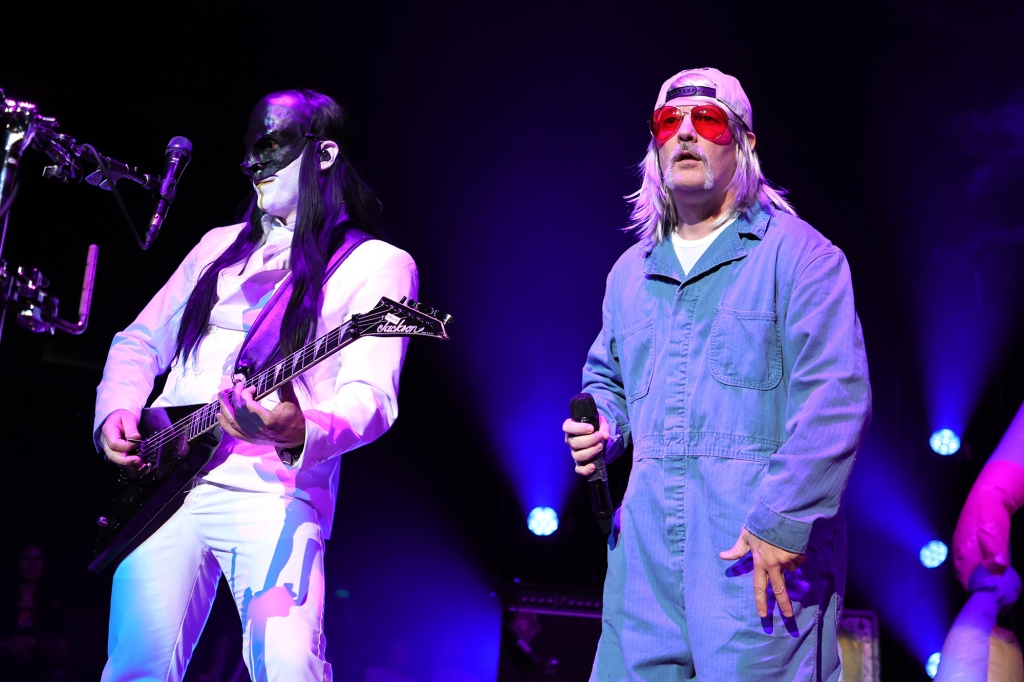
[[708, 85]]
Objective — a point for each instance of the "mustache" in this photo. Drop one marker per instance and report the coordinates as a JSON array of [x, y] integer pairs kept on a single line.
[[689, 148]]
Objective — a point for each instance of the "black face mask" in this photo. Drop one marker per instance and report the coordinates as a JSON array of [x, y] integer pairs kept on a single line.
[[276, 134]]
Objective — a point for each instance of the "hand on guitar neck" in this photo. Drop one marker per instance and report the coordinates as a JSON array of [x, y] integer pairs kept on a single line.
[[245, 419], [119, 435]]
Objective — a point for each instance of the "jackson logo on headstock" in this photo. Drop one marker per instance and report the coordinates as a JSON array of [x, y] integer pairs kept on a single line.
[[393, 324]]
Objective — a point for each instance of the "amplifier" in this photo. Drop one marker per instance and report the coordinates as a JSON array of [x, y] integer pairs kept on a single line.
[[548, 634]]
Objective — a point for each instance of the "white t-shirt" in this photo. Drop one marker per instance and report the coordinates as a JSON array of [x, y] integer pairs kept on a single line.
[[689, 251]]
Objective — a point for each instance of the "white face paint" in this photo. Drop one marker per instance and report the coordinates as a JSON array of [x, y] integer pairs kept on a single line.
[[278, 194]]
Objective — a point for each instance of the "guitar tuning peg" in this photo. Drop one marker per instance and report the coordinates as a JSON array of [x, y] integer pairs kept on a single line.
[[446, 318], [404, 299]]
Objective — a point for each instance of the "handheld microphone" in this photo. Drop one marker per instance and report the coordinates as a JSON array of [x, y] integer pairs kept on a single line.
[[177, 156], [584, 409]]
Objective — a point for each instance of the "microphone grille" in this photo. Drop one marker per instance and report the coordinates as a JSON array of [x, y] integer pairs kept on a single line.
[[582, 406], [182, 143]]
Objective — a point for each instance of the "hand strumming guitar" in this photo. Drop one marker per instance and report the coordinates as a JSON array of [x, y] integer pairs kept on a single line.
[[119, 435]]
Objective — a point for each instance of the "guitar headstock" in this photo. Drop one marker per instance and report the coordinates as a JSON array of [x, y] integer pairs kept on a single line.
[[404, 318]]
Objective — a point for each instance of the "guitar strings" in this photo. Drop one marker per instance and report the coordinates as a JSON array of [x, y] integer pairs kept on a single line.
[[208, 412]]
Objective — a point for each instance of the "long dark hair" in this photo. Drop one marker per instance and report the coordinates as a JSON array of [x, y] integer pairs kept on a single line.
[[330, 202]]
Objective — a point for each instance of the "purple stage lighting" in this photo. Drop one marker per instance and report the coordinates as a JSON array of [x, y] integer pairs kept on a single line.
[[897, 527], [542, 521], [945, 442]]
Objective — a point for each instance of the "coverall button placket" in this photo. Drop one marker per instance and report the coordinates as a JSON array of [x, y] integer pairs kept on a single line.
[[679, 344], [674, 415]]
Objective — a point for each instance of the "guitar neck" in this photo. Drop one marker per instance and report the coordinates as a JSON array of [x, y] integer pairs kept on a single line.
[[275, 376], [387, 319]]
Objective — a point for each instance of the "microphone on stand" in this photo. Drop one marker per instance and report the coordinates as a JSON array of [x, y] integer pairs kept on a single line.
[[176, 158], [584, 409]]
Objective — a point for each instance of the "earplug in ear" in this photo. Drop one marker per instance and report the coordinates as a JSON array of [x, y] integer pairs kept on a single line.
[[328, 154]]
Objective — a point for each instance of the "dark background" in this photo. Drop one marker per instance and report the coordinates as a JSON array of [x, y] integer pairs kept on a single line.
[[501, 139]]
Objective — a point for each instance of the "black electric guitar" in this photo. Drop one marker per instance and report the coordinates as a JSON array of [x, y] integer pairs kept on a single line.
[[179, 441]]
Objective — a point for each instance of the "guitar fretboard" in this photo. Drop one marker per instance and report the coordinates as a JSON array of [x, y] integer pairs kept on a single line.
[[268, 380], [298, 362]]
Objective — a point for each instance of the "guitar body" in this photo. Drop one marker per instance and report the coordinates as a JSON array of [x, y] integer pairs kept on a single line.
[[143, 504]]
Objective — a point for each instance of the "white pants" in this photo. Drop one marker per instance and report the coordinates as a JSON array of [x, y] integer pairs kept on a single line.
[[270, 550]]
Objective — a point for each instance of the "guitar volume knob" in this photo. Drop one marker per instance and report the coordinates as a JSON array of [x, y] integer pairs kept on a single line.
[[102, 522]]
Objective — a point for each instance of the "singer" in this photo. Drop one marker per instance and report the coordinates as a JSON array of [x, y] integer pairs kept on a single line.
[[260, 511], [731, 359]]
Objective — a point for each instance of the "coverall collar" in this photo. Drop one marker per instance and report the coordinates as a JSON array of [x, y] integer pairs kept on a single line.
[[661, 260]]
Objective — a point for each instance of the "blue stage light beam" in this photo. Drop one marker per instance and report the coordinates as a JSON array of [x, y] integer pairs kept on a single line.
[[945, 442], [912, 601], [525, 277], [542, 521], [934, 554], [963, 293]]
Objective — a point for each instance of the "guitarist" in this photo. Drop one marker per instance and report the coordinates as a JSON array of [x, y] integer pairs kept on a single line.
[[260, 510]]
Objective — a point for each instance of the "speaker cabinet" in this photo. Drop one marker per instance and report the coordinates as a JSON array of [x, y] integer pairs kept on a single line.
[[858, 646]]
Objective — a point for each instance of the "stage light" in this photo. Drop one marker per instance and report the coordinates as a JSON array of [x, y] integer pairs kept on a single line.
[[944, 442], [932, 666], [933, 554], [542, 521]]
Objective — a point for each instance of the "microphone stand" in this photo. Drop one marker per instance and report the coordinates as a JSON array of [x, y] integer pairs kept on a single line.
[[24, 289]]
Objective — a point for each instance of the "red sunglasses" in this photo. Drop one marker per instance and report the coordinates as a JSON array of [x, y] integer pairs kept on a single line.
[[710, 122]]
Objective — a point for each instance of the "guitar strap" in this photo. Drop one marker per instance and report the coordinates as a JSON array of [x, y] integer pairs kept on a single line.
[[262, 344]]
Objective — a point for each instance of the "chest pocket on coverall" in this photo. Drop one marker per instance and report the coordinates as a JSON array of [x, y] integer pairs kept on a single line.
[[638, 359], [746, 350]]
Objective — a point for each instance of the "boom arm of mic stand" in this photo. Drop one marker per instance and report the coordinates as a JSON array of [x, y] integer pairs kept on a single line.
[[67, 154], [117, 195]]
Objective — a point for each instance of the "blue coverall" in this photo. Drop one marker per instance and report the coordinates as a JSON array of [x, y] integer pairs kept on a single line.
[[743, 389]]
